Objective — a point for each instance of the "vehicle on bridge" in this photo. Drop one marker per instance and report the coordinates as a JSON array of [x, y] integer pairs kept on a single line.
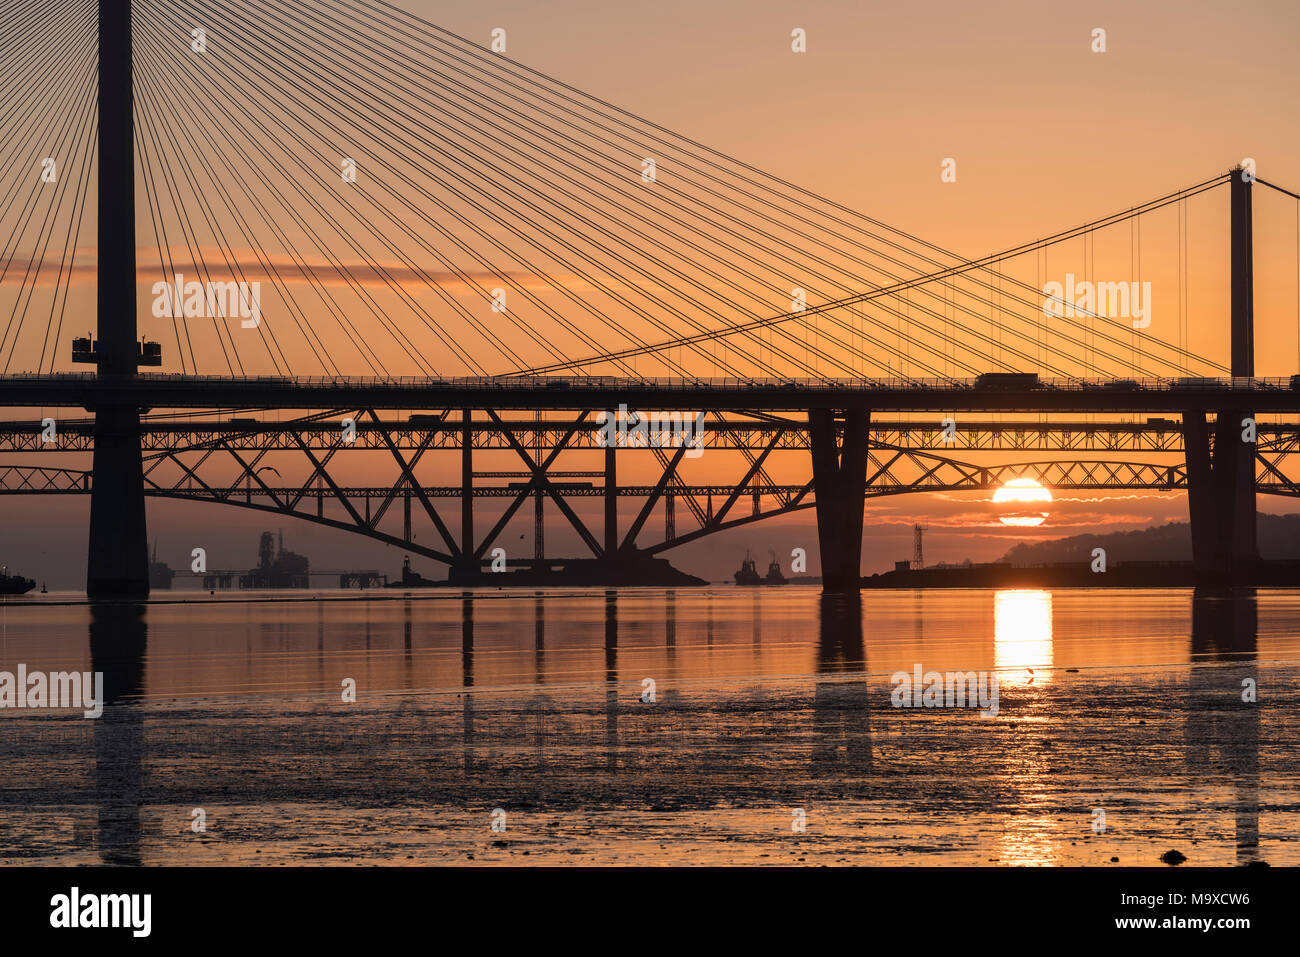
[[1007, 380]]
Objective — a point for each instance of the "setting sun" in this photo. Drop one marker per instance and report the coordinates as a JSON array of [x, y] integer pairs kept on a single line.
[[1022, 502]]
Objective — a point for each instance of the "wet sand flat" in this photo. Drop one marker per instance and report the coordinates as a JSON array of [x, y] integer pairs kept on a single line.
[[723, 766]]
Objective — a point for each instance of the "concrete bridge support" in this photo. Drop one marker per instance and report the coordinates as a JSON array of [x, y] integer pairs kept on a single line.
[[1221, 473], [1239, 489], [118, 561], [611, 503], [839, 460], [117, 565], [1220, 496], [465, 569]]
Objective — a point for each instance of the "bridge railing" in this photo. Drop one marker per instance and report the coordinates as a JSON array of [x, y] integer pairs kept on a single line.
[[552, 383], [727, 383]]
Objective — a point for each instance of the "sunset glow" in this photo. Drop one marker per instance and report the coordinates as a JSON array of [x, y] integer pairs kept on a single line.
[[1021, 502], [610, 436]]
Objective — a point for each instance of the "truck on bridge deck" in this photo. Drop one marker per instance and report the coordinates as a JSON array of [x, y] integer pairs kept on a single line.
[[1010, 381]]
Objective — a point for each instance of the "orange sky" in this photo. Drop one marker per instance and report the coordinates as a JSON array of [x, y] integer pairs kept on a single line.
[[1045, 133]]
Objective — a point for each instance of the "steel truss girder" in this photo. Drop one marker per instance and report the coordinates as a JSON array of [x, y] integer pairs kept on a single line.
[[891, 471], [751, 437]]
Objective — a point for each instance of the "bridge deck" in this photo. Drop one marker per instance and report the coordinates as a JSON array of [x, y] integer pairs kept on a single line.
[[1278, 395]]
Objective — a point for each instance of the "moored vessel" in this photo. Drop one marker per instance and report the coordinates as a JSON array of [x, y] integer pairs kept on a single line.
[[748, 574], [774, 575]]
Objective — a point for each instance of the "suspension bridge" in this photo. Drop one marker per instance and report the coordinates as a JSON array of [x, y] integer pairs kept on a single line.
[[380, 247]]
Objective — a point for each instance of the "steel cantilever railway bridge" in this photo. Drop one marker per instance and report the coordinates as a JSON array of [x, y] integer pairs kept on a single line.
[[481, 226]]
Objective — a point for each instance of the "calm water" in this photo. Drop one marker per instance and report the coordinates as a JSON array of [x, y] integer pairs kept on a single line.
[[772, 737]]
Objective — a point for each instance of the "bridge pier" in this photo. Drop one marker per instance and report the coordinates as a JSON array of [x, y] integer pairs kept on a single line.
[[465, 569], [1221, 474], [611, 502], [1220, 497], [117, 564], [1240, 488], [539, 529], [839, 462]]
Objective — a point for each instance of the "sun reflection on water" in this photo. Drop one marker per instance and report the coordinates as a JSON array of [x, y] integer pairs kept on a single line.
[[1022, 636]]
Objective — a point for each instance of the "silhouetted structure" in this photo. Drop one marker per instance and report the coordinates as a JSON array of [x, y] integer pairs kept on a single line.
[[118, 560], [748, 573], [1220, 469], [160, 573], [276, 567]]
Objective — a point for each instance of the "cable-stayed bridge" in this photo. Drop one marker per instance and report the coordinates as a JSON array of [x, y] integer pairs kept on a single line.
[[362, 235]]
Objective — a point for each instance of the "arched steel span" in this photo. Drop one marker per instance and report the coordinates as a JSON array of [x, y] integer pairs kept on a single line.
[[929, 473]]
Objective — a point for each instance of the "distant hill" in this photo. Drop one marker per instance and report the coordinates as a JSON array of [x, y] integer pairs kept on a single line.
[[1279, 538]]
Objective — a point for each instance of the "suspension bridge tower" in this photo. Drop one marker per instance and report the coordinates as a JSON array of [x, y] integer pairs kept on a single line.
[[118, 560], [1220, 460], [1243, 545]]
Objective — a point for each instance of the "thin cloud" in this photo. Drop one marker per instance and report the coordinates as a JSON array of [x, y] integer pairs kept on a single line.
[[244, 265]]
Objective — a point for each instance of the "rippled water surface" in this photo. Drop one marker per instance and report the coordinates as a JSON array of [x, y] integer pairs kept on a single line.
[[773, 737]]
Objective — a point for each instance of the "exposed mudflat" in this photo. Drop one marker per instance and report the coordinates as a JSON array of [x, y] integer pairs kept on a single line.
[[736, 752]]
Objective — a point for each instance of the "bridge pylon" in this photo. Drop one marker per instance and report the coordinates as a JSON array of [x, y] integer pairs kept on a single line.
[[1242, 489], [838, 442], [118, 557], [1221, 459]]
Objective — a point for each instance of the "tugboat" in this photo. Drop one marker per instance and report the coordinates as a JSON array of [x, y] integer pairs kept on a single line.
[[748, 574], [14, 584], [774, 576], [410, 579]]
